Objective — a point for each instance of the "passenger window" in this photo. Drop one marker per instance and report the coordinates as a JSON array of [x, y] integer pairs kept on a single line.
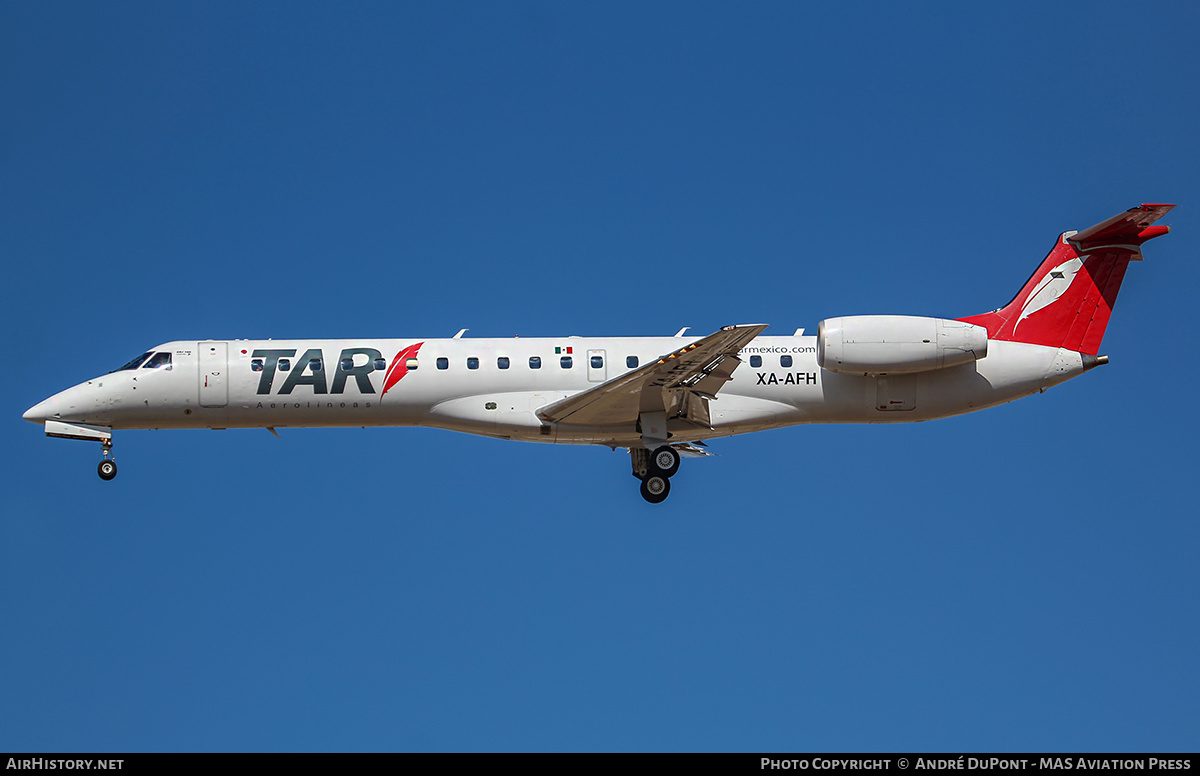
[[756, 361], [316, 365], [535, 362], [347, 364], [597, 362], [285, 365], [443, 362], [380, 364], [256, 365], [159, 360], [785, 361], [565, 362], [410, 363], [472, 363], [631, 362], [502, 362]]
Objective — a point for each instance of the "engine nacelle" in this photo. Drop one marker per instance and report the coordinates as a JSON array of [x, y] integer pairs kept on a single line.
[[897, 344]]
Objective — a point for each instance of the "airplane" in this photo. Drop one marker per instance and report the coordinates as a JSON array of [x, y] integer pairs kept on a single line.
[[661, 398]]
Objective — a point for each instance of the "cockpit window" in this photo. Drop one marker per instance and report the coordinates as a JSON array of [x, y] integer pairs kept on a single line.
[[160, 360], [134, 364]]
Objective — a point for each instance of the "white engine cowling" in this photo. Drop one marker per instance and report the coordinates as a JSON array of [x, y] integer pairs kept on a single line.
[[897, 344]]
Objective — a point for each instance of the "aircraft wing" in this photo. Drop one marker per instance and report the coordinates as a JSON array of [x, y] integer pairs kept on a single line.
[[681, 383]]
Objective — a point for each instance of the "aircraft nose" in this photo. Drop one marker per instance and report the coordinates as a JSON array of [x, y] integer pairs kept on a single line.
[[72, 404], [38, 413]]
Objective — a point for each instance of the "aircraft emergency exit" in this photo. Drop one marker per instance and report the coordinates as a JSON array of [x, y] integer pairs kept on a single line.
[[659, 397]]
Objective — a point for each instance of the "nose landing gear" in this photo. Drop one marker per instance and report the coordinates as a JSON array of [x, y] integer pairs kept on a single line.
[[108, 467], [655, 471]]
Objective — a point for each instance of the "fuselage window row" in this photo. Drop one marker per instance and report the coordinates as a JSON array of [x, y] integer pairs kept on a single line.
[[442, 362]]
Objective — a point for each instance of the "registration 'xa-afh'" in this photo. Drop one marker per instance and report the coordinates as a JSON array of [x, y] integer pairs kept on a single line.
[[659, 397]]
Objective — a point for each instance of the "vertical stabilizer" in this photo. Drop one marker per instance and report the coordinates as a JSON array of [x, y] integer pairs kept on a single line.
[[1069, 299]]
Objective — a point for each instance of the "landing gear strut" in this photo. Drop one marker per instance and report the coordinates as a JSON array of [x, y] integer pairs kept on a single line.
[[655, 471], [108, 467]]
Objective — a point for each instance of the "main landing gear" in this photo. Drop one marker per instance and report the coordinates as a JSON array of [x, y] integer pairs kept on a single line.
[[655, 470], [108, 467]]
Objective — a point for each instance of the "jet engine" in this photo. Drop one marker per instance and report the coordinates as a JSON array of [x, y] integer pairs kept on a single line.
[[897, 344]]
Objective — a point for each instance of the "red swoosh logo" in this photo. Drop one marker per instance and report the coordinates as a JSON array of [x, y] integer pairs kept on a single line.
[[399, 367]]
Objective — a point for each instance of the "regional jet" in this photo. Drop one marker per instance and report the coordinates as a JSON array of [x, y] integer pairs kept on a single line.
[[661, 398]]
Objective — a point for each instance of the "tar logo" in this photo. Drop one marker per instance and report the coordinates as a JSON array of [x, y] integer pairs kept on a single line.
[[309, 370]]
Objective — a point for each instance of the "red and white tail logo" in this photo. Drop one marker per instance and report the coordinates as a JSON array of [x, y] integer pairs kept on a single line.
[[1068, 301]]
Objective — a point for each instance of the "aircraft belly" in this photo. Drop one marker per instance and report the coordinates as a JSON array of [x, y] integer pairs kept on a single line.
[[1010, 371], [506, 415], [733, 414]]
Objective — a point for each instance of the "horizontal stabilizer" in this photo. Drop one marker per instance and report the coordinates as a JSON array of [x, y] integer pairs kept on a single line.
[[1129, 228]]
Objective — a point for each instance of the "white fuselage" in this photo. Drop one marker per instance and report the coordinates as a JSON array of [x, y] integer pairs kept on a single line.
[[659, 397], [234, 384]]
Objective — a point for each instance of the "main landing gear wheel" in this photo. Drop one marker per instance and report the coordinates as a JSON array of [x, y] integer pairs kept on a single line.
[[654, 469], [656, 488], [666, 460]]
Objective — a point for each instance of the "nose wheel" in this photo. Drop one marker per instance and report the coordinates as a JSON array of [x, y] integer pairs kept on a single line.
[[108, 467]]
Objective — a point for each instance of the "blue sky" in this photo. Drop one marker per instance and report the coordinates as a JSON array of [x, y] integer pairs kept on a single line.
[[1018, 579]]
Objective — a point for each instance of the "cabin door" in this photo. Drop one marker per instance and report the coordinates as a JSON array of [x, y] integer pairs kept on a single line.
[[214, 373]]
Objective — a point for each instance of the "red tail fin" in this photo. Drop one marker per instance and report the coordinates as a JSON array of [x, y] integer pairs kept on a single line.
[[1068, 301]]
